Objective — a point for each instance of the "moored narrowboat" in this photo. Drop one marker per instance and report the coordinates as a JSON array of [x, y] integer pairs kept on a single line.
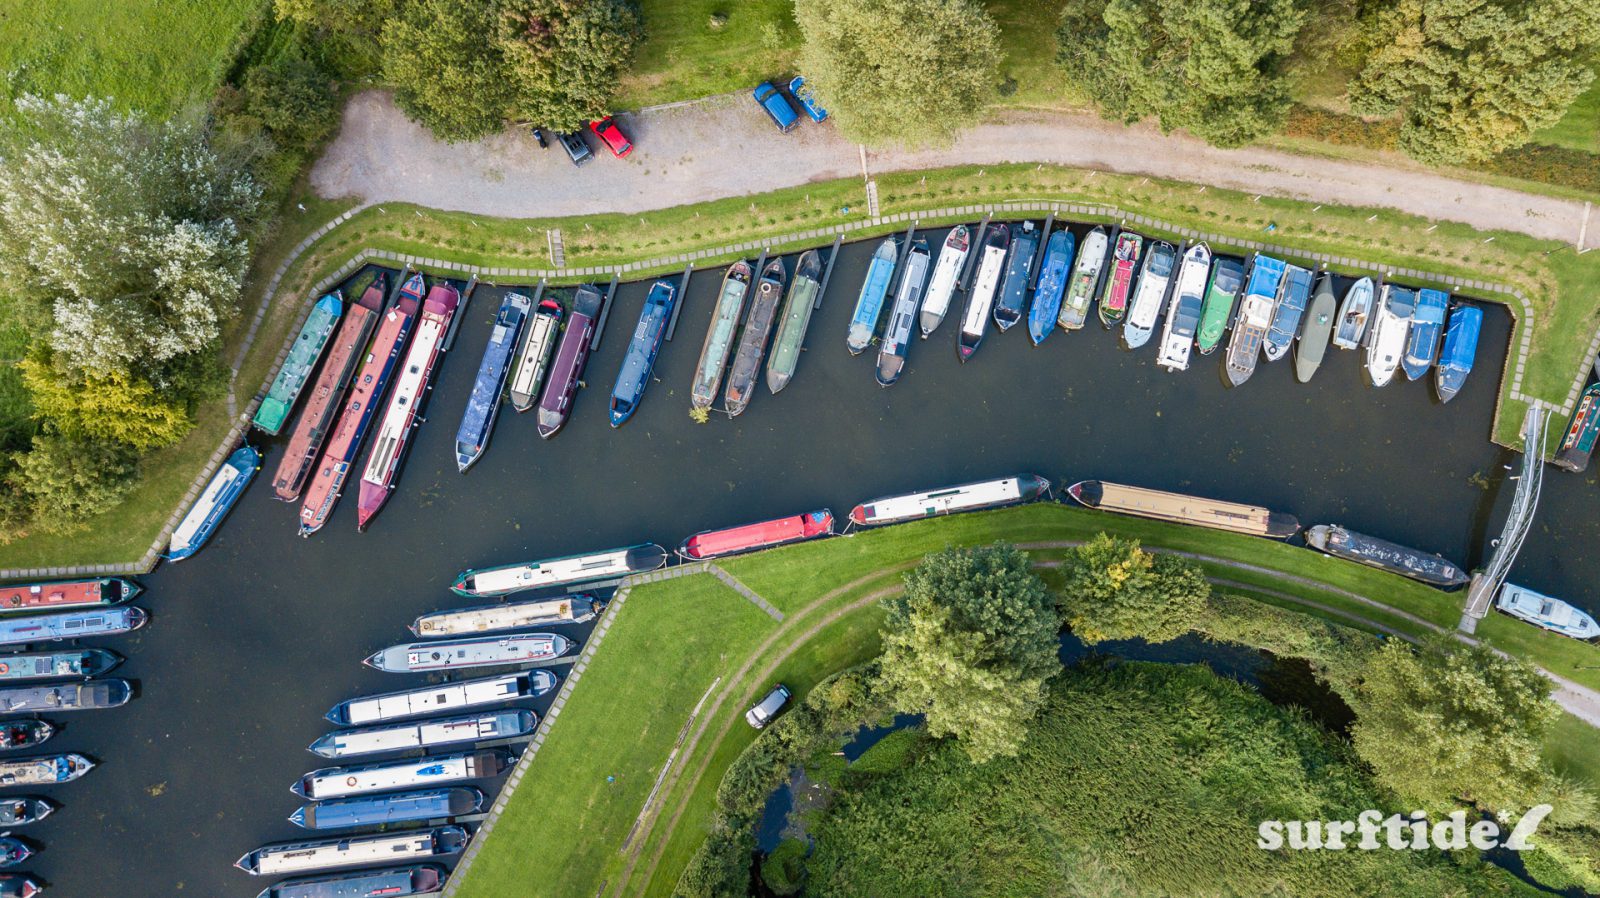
[[356, 851], [1085, 280], [753, 340], [795, 320], [466, 654], [949, 500], [572, 354], [389, 776], [588, 567], [991, 265], [1160, 505], [751, 537], [44, 771], [60, 595], [640, 359], [19, 885], [483, 404], [1577, 445], [720, 335], [75, 663], [1008, 306], [214, 503], [442, 697], [303, 354], [392, 883], [426, 734], [897, 338], [70, 625], [533, 359], [90, 695], [942, 284], [1119, 283], [869, 303], [383, 810], [1384, 555], [573, 609]]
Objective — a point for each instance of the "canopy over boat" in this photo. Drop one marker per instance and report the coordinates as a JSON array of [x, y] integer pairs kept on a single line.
[[1460, 350], [1314, 334], [869, 304], [1052, 285]]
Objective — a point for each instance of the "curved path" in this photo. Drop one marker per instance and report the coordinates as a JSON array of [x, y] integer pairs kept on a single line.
[[724, 146]]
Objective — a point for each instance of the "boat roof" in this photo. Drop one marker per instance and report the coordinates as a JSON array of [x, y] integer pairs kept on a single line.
[[1265, 275], [1461, 338]]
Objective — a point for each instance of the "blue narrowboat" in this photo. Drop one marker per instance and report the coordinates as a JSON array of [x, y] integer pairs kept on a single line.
[[1427, 322], [71, 625], [641, 357], [477, 422], [1460, 350], [1014, 287], [394, 882], [224, 489], [869, 305], [397, 807], [1052, 284]]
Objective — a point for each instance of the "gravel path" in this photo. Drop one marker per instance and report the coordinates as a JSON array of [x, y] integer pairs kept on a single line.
[[724, 146]]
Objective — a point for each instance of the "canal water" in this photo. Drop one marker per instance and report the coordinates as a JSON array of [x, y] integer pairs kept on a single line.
[[260, 633]]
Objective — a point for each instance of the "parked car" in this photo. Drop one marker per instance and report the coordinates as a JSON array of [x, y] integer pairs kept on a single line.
[[577, 149], [768, 708], [606, 129], [776, 106], [807, 99]]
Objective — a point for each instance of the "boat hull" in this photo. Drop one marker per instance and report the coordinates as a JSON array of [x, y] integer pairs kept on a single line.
[[70, 625], [1312, 346], [1387, 556], [1294, 295], [565, 571], [1546, 612], [1222, 299], [1013, 298], [1355, 310], [466, 654], [1175, 507], [425, 734], [897, 338], [392, 883], [218, 498], [977, 496], [308, 346], [942, 284], [344, 782], [57, 665], [533, 358], [302, 857], [1459, 352], [794, 321], [1577, 446], [1084, 283], [869, 303], [991, 267], [92, 695]]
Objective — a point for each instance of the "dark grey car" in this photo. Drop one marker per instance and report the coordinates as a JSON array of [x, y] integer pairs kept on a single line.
[[577, 148]]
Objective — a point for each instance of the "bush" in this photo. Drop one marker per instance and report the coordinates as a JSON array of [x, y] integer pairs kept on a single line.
[[69, 481], [1338, 655], [784, 869]]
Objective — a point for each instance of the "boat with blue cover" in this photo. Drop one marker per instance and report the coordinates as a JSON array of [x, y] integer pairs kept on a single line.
[[465, 654], [746, 367], [91, 695], [393, 883], [1390, 325], [1255, 318], [1052, 285], [874, 289], [1543, 611], [1293, 296], [57, 665], [44, 771], [897, 339], [354, 851], [1014, 287], [642, 350], [382, 810], [225, 488], [1460, 350], [426, 734], [483, 406], [70, 625], [296, 370], [1427, 322], [720, 335], [991, 266]]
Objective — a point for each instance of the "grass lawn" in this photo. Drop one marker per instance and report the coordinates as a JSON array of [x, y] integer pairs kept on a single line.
[[1579, 129]]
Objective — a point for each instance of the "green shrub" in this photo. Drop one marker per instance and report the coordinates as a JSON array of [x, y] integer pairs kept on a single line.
[[784, 869]]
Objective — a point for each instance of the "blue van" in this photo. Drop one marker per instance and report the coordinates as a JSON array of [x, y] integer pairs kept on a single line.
[[777, 107]]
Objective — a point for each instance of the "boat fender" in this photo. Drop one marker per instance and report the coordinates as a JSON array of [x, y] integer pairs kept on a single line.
[[349, 781], [4, 667]]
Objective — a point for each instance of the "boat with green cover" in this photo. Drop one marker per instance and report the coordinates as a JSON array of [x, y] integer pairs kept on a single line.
[[719, 336], [796, 317], [1227, 276], [296, 370]]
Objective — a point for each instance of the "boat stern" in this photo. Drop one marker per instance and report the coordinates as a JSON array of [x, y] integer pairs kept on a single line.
[[858, 515]]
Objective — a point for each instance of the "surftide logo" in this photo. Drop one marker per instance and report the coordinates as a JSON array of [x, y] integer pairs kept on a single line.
[[1399, 832]]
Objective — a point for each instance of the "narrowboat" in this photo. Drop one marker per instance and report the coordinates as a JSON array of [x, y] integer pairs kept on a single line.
[[426, 734], [1085, 280], [764, 535], [1294, 294], [794, 321], [1052, 285], [509, 578], [483, 404], [1578, 444], [13, 851], [1164, 506], [303, 354], [390, 776], [393, 883], [383, 810], [1255, 317], [719, 336], [51, 665], [572, 354], [466, 654], [327, 395], [61, 595], [1155, 277], [357, 851], [1114, 301], [19, 885], [897, 339], [1543, 611], [1384, 555], [442, 697], [1460, 350], [1312, 346], [1013, 295], [70, 625], [44, 771], [410, 389], [215, 501], [23, 811], [869, 304], [92, 695], [942, 284], [1222, 294], [573, 609], [991, 264], [1183, 315], [753, 340], [533, 359], [1427, 324], [366, 394], [642, 350], [949, 500], [1354, 313], [1389, 329], [15, 734]]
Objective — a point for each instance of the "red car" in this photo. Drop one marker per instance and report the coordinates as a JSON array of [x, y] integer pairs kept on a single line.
[[606, 129]]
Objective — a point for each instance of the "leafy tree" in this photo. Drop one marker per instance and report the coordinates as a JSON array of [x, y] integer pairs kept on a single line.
[[1116, 590], [900, 71], [70, 480], [447, 71], [112, 406], [564, 57], [971, 643], [1471, 78], [1215, 68], [342, 34], [292, 100]]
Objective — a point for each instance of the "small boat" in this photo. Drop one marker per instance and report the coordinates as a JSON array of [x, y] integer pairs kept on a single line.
[[1460, 350], [1085, 278], [91, 695], [764, 535], [1013, 295], [70, 625], [382, 810], [215, 501], [13, 851], [942, 285], [465, 654], [1294, 293], [426, 734], [642, 350], [327, 396], [533, 359], [1255, 317], [19, 885], [1384, 555], [75, 663], [44, 771], [1427, 324], [366, 393], [949, 500], [23, 811], [572, 354], [1052, 285], [794, 321], [719, 336], [874, 288], [575, 609], [1222, 295], [393, 883], [1578, 444], [1114, 301], [60, 595], [303, 354], [1154, 280], [389, 776], [1314, 332], [355, 851], [410, 388], [442, 697], [1178, 508], [1183, 315], [1542, 611], [483, 404], [509, 578], [896, 340], [1354, 313], [753, 341], [991, 264], [1390, 326], [16, 734]]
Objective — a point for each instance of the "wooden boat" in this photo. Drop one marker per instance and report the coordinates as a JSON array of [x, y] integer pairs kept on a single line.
[[1052, 285], [942, 285], [303, 354], [1178, 508], [1294, 293], [794, 321], [763, 535], [1460, 350], [1543, 611], [470, 652], [91, 695], [1183, 315], [572, 354], [384, 810], [356, 851], [990, 266], [452, 696], [24, 810], [1384, 555], [214, 503], [1427, 325], [720, 336], [1013, 297], [533, 359], [44, 771], [753, 341], [389, 776], [70, 625], [483, 404], [949, 500], [1390, 326], [73, 663], [1084, 281], [1578, 443], [397, 882], [565, 571], [640, 359], [897, 339], [1312, 346], [60, 595], [869, 304], [1354, 312], [1114, 301], [1222, 295], [1154, 280], [573, 609], [1255, 317], [15, 734], [426, 734]]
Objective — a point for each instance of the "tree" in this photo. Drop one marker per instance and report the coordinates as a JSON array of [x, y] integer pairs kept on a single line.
[[900, 71], [563, 57], [447, 70], [344, 32], [1471, 78], [292, 100], [1215, 68], [112, 406], [1116, 590], [971, 643], [70, 480]]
